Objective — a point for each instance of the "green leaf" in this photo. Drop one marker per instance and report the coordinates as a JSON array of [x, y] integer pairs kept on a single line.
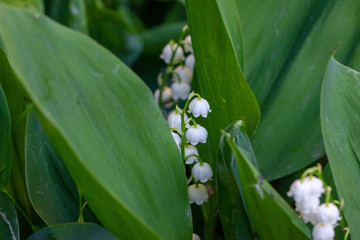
[[73, 231], [16, 96], [287, 45], [35, 4], [261, 199], [5, 139], [51, 190], [104, 123], [218, 65], [9, 226], [340, 107], [233, 215]]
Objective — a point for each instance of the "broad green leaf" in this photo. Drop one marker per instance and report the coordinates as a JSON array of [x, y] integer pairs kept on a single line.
[[5, 140], [340, 107], [104, 123], [217, 43], [234, 218], [9, 226], [36, 4], [16, 99], [270, 215], [73, 231], [51, 190], [287, 45]]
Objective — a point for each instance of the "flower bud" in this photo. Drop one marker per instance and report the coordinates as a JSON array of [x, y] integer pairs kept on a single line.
[[323, 232], [168, 51], [316, 186], [180, 90], [328, 214], [199, 107], [190, 149], [166, 95], [188, 45], [196, 134], [198, 194], [190, 62], [184, 73], [202, 172]]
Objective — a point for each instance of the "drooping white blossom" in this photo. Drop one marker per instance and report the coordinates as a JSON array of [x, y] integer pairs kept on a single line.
[[316, 186], [188, 44], [323, 232], [168, 51], [199, 107], [190, 149], [328, 214], [300, 190], [190, 62], [180, 90], [308, 205], [196, 134], [195, 237], [174, 120], [177, 139], [166, 95], [198, 194], [309, 217], [202, 172], [184, 73]]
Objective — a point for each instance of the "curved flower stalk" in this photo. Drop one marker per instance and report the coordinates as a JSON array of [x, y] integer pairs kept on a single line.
[[307, 192]]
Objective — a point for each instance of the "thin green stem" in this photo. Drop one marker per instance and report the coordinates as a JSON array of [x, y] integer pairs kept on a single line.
[[23, 115], [176, 130], [347, 234], [33, 227], [328, 195]]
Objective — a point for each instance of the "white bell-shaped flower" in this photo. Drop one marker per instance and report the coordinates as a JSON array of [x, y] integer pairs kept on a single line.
[[323, 232], [195, 237], [199, 107], [308, 205], [196, 134], [190, 62], [180, 90], [300, 190], [309, 217], [191, 150], [177, 139], [174, 120], [184, 73], [328, 214], [316, 186], [202, 172], [166, 95], [188, 44], [168, 51], [198, 194]]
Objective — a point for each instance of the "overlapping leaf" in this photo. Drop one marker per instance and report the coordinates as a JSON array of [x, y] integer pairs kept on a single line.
[[105, 125], [5, 140], [269, 214], [217, 44], [340, 108], [9, 226], [73, 231]]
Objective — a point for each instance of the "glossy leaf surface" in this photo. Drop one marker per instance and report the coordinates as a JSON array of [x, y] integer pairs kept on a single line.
[[287, 46], [51, 190], [340, 107], [73, 231], [261, 199], [105, 125], [217, 47]]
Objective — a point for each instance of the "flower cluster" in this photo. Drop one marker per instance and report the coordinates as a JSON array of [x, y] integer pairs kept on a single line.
[[180, 65], [184, 129], [306, 193], [187, 134]]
